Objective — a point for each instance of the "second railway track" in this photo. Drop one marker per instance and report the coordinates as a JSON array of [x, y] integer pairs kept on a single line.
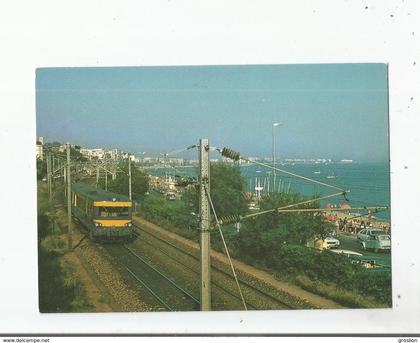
[[161, 287], [255, 297]]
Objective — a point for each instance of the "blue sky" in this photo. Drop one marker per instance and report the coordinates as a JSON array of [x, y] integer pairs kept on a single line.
[[332, 110]]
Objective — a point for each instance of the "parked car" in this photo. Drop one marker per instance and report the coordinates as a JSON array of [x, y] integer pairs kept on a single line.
[[330, 242], [366, 233], [374, 239]]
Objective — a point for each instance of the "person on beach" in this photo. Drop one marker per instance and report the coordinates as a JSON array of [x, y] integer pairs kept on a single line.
[[345, 223]]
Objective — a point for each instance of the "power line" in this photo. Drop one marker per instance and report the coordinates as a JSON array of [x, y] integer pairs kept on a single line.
[[226, 249], [237, 218], [178, 151]]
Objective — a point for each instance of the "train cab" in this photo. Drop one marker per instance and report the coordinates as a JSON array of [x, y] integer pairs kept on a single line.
[[112, 218], [104, 214]]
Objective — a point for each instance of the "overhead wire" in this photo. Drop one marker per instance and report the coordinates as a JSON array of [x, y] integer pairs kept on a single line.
[[365, 208], [178, 151], [233, 219], [226, 248], [278, 209]]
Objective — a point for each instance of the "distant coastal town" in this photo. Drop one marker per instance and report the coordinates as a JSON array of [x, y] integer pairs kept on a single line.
[[99, 153]]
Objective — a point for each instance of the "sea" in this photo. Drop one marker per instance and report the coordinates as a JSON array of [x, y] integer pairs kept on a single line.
[[368, 183]]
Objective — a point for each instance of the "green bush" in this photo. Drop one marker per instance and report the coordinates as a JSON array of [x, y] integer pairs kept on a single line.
[[139, 182], [325, 267], [43, 226], [172, 215], [54, 294], [348, 298], [41, 169]]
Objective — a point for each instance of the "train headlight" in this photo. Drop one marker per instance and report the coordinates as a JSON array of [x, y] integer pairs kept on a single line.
[[128, 224]]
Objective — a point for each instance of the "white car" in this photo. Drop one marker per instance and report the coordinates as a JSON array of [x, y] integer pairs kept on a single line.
[[374, 239], [330, 242], [366, 234]]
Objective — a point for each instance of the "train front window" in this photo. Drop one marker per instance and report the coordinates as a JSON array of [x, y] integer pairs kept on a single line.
[[107, 211]]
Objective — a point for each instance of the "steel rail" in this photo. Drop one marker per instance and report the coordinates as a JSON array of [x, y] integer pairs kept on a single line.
[[167, 306], [216, 268], [198, 272], [148, 286], [144, 284], [189, 295]]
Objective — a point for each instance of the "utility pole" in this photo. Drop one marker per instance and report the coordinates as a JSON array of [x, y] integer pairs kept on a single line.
[[129, 176], [274, 125], [49, 175], [97, 175], [65, 174], [53, 170], [114, 171], [69, 232], [204, 180], [59, 167]]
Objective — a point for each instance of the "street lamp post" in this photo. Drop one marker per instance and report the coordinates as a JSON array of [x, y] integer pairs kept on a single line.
[[274, 125]]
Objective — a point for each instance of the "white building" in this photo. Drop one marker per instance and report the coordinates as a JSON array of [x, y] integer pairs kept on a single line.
[[178, 161], [111, 154], [93, 153], [39, 151], [135, 159], [62, 148]]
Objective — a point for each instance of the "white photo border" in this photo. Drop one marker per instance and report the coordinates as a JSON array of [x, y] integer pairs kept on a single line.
[[101, 33]]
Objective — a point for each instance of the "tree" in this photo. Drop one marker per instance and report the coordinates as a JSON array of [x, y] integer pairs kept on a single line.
[[227, 187], [176, 213], [41, 169], [139, 181], [263, 233], [76, 155]]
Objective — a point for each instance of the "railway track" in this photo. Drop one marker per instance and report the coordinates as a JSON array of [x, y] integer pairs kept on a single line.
[[196, 272], [260, 299], [160, 287]]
